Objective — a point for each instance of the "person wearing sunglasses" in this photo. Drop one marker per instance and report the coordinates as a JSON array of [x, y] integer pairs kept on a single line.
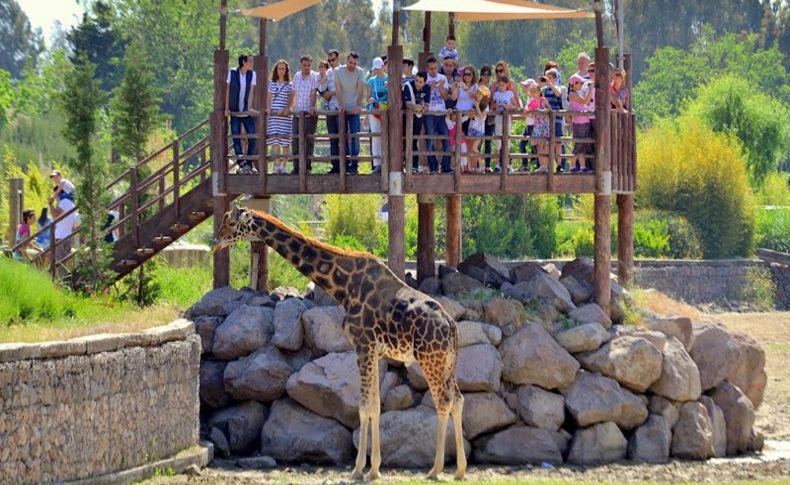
[[485, 82]]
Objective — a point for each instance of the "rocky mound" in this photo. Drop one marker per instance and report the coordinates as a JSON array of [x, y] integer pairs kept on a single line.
[[546, 375]]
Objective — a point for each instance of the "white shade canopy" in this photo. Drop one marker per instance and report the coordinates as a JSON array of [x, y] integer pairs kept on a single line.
[[482, 10]]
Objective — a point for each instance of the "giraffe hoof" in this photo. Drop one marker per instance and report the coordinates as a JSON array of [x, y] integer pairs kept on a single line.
[[372, 475], [459, 475], [433, 475], [356, 475]]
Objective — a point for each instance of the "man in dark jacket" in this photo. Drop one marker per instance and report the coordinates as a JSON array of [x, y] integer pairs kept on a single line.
[[239, 95]]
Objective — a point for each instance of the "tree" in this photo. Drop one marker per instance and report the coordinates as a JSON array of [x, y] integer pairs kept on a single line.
[[134, 106], [82, 100], [98, 40], [19, 44], [6, 97]]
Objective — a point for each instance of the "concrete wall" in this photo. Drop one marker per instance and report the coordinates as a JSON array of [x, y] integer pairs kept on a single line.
[[92, 406]]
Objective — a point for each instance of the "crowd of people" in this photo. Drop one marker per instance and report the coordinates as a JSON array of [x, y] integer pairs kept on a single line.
[[432, 96]]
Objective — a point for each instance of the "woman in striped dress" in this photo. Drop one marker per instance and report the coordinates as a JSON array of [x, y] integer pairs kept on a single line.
[[279, 100]]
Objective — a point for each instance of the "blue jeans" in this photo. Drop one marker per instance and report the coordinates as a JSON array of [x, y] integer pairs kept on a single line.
[[435, 126], [352, 144], [249, 128], [490, 128], [332, 127]]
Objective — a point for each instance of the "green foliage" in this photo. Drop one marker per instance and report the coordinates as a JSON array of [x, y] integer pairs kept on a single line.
[[775, 189], [651, 239], [731, 105], [6, 97], [282, 273], [19, 43], [759, 289], [773, 229], [692, 171], [667, 235], [581, 243], [99, 40], [141, 287], [355, 218], [28, 294]]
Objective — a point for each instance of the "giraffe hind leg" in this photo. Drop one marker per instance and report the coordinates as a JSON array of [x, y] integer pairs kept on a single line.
[[442, 394], [457, 413]]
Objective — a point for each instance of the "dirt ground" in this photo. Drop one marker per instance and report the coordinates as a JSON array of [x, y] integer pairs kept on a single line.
[[772, 330]]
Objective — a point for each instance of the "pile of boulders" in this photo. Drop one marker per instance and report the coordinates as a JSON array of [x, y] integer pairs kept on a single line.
[[547, 376]]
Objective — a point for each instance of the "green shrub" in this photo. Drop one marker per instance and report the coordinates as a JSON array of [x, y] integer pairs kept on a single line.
[[760, 289], [775, 190], [651, 239], [682, 238], [689, 170], [355, 216], [773, 229], [581, 243]]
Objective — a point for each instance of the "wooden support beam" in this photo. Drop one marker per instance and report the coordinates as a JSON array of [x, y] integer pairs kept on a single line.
[[426, 237], [259, 252], [451, 23], [16, 204], [453, 225], [603, 242], [221, 257], [223, 22], [396, 219], [625, 239]]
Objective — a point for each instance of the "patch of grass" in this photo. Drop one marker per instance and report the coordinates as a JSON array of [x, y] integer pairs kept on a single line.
[[760, 289], [658, 302]]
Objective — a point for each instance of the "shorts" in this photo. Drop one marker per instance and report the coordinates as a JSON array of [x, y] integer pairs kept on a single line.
[[475, 133], [582, 131]]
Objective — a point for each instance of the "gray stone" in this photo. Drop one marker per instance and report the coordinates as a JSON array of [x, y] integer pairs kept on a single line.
[[541, 408], [491, 271], [650, 442], [580, 293], [293, 434], [212, 387], [221, 447], [595, 399], [631, 361], [749, 372], [692, 435], [261, 300], [541, 286], [214, 301], [472, 333], [714, 353], [584, 338], [388, 381], [452, 307], [408, 438], [455, 283], [525, 271], [257, 462], [478, 368], [673, 326], [581, 269], [246, 330], [718, 424], [398, 398], [679, 379], [260, 376], [323, 330], [319, 296], [288, 332], [299, 358], [205, 326], [518, 445], [502, 312], [602, 443], [485, 412], [665, 408], [590, 312], [552, 271], [416, 377], [738, 414], [241, 424], [531, 356], [431, 286]]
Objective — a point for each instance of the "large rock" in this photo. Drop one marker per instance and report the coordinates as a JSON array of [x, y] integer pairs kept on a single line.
[[398, 398], [246, 330], [692, 436], [205, 326], [590, 312], [531, 356], [431, 286], [472, 333], [632, 361], [221, 447], [541, 286], [452, 307], [525, 271], [503, 311], [491, 271], [485, 412], [518, 445], [718, 424], [416, 377], [584, 338], [673, 326], [478, 368], [540, 408], [323, 330], [288, 331], [213, 303], [260, 376], [329, 386], [738, 414], [408, 438], [679, 379], [665, 408], [715, 354], [212, 387], [580, 292], [650, 442], [293, 434], [581, 269], [241, 424], [595, 399], [601, 443], [455, 283], [749, 372]]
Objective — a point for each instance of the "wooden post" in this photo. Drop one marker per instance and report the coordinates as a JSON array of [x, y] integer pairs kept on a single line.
[[504, 168], [161, 192], [451, 23], [219, 161], [53, 245], [133, 203], [16, 204], [625, 202], [223, 21], [453, 211], [259, 252], [553, 155], [603, 174], [176, 178], [396, 257], [302, 162], [426, 237]]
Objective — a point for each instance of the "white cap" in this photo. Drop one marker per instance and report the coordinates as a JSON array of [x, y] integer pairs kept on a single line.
[[378, 63]]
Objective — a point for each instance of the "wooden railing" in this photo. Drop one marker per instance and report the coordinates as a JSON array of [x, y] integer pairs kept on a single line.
[[160, 188], [623, 145]]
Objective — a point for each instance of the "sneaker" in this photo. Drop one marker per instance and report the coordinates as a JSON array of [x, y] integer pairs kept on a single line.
[[497, 169], [352, 171], [433, 172], [247, 169], [542, 169], [376, 170], [587, 170], [559, 169], [576, 170]]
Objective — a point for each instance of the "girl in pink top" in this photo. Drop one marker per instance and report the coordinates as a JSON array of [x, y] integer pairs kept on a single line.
[[540, 129], [580, 97]]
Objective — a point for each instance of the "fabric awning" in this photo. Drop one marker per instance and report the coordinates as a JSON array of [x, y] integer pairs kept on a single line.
[[279, 10], [482, 10]]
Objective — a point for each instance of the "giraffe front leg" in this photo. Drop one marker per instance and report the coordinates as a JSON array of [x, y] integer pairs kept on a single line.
[[367, 361], [374, 411], [441, 431], [457, 413], [362, 452]]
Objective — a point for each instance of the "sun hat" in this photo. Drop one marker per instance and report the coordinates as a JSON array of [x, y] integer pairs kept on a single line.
[[378, 63]]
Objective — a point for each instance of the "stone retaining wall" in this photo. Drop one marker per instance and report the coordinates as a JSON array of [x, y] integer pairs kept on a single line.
[[92, 406]]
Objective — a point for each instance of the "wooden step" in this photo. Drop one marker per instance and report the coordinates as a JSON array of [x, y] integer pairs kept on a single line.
[[128, 262], [198, 215], [178, 227], [145, 251], [163, 239]]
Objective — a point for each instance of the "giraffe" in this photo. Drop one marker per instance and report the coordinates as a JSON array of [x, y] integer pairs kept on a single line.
[[384, 318]]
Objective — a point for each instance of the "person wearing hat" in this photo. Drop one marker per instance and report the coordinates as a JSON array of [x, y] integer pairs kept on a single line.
[[63, 191], [377, 100]]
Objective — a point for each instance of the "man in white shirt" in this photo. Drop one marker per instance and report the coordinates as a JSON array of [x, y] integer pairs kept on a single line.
[[330, 95], [63, 231], [305, 84], [239, 96], [434, 123]]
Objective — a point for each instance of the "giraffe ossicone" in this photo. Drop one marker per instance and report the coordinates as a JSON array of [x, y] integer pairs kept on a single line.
[[384, 318]]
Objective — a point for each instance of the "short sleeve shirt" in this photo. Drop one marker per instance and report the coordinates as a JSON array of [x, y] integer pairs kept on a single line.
[[350, 83], [305, 86], [502, 99], [378, 89], [328, 85], [243, 85], [420, 97], [437, 101]]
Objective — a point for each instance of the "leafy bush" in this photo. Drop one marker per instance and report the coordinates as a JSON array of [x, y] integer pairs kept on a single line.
[[682, 238], [688, 169], [355, 216], [775, 189], [773, 229], [760, 289], [651, 239], [581, 243]]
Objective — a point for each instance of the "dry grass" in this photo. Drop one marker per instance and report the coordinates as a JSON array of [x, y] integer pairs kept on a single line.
[[658, 302]]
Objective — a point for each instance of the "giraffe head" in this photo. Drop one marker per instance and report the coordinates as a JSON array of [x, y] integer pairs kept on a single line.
[[237, 225]]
